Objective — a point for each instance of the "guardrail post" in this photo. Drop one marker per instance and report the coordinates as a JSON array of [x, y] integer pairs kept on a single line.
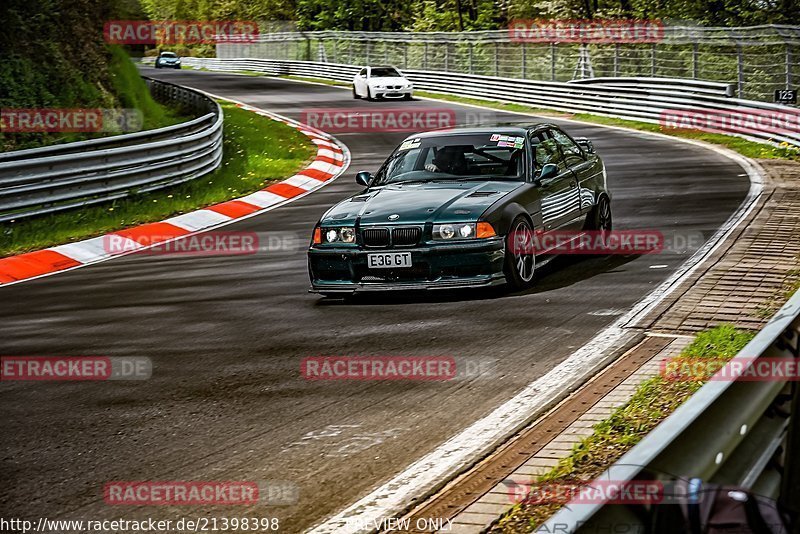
[[552, 61]]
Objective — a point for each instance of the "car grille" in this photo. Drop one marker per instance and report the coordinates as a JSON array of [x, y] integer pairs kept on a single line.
[[406, 237], [375, 237]]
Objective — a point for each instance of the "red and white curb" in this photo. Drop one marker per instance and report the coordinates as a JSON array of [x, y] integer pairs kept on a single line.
[[331, 161]]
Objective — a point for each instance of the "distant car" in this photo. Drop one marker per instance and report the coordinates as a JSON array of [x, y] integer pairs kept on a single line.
[[460, 208], [168, 60], [381, 82]]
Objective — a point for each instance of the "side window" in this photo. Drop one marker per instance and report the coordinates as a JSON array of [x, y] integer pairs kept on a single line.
[[568, 146], [363, 73], [547, 152]]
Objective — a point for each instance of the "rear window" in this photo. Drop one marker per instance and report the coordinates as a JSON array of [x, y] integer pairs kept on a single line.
[[168, 54]]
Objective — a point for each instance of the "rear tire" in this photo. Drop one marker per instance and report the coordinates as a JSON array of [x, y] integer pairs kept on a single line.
[[520, 259]]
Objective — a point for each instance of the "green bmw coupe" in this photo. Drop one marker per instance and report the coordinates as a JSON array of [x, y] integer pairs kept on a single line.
[[460, 208]]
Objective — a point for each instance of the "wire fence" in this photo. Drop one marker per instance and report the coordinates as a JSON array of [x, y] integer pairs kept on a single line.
[[757, 60]]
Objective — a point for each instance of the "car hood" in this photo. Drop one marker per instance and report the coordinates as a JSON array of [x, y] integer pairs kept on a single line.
[[419, 203], [388, 80]]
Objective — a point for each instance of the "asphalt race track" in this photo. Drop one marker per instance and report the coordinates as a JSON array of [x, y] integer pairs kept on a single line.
[[226, 335]]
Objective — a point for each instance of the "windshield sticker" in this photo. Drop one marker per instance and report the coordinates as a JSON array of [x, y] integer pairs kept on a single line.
[[410, 143], [511, 142]]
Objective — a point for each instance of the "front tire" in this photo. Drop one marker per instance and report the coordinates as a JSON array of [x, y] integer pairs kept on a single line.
[[356, 95], [407, 96], [520, 259], [600, 219]]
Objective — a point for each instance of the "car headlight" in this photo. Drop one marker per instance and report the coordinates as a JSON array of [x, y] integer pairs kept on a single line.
[[451, 231], [346, 234]]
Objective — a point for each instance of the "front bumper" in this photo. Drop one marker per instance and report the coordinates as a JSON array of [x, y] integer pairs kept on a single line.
[[440, 266], [391, 93]]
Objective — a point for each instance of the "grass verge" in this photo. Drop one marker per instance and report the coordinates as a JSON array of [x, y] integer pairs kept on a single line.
[[256, 151], [652, 402]]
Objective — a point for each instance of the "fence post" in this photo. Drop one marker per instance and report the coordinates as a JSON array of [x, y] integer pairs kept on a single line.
[[405, 55], [653, 60], [447, 57], [788, 66], [524, 60], [695, 50], [368, 51], [471, 69], [333, 50], [425, 57], [740, 69], [616, 60], [496, 60], [552, 62]]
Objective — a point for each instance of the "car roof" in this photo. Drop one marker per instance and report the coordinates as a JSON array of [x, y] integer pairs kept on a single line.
[[502, 130]]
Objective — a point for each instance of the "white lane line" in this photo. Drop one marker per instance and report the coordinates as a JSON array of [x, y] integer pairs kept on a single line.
[[438, 466]]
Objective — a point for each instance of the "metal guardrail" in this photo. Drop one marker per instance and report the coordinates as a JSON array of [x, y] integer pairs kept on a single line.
[[758, 59], [60, 177], [644, 100], [743, 433]]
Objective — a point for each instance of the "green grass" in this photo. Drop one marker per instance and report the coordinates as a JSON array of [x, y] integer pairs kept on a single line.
[[257, 150], [126, 89], [789, 287], [652, 402]]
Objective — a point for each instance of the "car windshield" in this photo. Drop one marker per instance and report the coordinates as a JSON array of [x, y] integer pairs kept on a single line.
[[383, 72], [168, 54], [456, 157]]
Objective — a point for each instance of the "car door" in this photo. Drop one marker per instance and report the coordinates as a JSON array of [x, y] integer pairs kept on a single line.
[[559, 193], [584, 168], [361, 82]]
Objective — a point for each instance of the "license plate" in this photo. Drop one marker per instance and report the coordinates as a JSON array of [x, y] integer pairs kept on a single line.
[[389, 260]]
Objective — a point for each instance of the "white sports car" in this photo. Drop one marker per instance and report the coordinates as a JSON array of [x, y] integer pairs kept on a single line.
[[381, 82]]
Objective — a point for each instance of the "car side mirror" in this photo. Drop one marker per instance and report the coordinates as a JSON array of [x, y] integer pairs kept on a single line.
[[548, 171], [363, 178], [585, 144]]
